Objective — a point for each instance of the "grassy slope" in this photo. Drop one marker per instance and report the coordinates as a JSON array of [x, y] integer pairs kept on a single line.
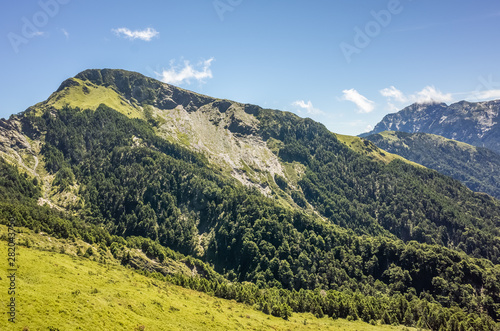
[[73, 293], [361, 147], [87, 95]]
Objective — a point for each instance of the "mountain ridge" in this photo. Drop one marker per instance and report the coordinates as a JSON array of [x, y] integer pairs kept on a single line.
[[477, 167], [475, 123], [312, 210], [223, 130]]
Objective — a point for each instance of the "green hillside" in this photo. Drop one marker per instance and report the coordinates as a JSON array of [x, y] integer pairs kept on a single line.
[[478, 168], [364, 147], [261, 206], [83, 94], [108, 296]]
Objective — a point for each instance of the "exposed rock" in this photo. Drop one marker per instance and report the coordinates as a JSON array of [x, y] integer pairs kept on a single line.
[[226, 132], [475, 123], [11, 136]]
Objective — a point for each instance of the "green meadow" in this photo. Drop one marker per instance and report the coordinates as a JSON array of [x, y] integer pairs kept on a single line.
[[61, 291]]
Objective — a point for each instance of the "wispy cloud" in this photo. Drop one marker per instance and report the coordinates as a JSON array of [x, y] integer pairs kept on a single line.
[[486, 95], [357, 125], [487, 89], [146, 34], [186, 73], [308, 107], [65, 33], [394, 93], [364, 105], [429, 94]]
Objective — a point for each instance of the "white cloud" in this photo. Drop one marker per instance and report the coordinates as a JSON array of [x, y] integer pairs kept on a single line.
[[145, 35], [392, 107], [176, 75], [487, 89], [357, 124], [485, 95], [364, 105], [394, 94], [65, 33], [308, 107], [429, 94]]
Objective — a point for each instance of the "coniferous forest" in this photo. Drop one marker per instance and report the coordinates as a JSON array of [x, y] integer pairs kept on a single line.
[[389, 242]]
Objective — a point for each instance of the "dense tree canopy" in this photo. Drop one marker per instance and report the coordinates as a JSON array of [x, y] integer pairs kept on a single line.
[[392, 242]]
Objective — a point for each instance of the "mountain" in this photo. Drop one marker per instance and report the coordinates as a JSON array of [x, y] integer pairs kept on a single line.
[[263, 206], [478, 168], [475, 123]]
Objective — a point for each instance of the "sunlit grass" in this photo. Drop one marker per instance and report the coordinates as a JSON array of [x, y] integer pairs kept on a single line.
[[369, 149], [67, 292], [89, 96]]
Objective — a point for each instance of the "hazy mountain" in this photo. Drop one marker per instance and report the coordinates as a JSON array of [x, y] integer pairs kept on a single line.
[[475, 123], [262, 198], [478, 168]]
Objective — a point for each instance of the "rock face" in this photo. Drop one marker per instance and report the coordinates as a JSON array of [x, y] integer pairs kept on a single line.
[[226, 132], [144, 90], [477, 123], [229, 134], [15, 146]]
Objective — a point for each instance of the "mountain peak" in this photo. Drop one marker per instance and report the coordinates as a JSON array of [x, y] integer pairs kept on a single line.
[[116, 77], [475, 123], [125, 91], [175, 176], [420, 106]]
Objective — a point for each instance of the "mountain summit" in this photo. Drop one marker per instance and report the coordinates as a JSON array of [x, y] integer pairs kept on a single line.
[[261, 201], [475, 123]]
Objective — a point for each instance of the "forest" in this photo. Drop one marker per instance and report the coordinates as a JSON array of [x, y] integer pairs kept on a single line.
[[390, 242], [477, 167]]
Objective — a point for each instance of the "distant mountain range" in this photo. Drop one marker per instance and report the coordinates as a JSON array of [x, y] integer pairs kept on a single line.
[[478, 168], [475, 123]]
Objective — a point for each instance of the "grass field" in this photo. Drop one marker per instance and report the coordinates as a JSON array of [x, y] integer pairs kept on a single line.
[[367, 148], [57, 291], [89, 96]]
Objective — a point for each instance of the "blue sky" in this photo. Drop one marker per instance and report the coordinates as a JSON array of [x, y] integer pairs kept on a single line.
[[345, 63]]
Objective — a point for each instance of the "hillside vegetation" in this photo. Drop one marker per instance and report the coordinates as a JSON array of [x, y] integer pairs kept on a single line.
[[478, 168], [330, 226], [49, 298], [376, 269]]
